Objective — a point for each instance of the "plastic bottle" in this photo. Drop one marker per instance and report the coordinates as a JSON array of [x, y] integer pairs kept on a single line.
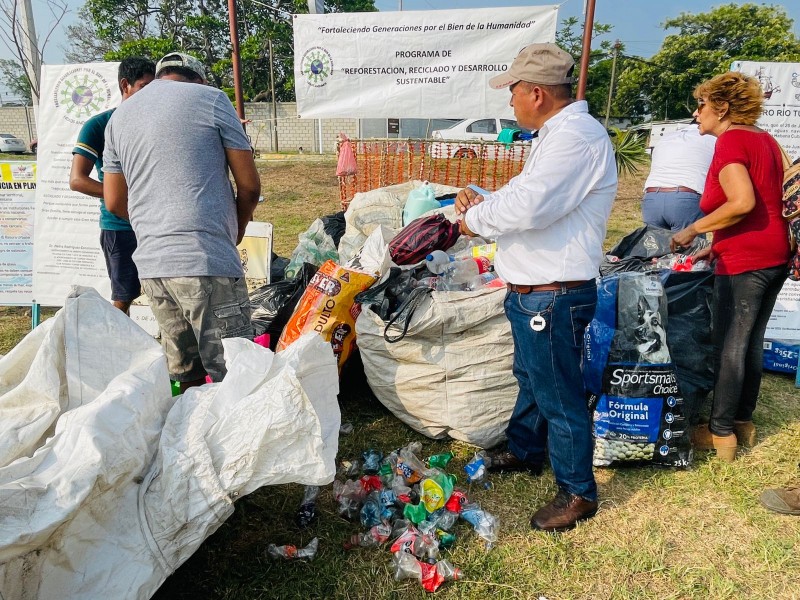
[[482, 281], [370, 514], [372, 461], [289, 551], [484, 524], [438, 262], [375, 537], [439, 461], [461, 272], [307, 511], [420, 200], [476, 468], [430, 576], [349, 496]]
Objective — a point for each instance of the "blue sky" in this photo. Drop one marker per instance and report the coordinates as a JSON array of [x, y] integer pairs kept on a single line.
[[636, 22]]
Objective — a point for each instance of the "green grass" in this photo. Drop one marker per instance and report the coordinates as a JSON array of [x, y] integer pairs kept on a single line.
[[659, 534]]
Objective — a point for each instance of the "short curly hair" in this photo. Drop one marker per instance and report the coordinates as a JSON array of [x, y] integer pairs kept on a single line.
[[743, 94]]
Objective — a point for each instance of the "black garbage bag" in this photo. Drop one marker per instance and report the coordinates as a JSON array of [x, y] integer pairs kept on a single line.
[[277, 268], [636, 250], [273, 304], [385, 297], [334, 226]]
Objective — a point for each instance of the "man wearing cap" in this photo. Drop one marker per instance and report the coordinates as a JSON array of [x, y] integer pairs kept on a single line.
[[167, 155], [116, 236], [549, 223]]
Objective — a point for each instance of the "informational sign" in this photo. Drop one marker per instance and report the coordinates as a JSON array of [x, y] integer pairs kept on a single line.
[[781, 117], [784, 323], [781, 85], [17, 197], [415, 64], [66, 248]]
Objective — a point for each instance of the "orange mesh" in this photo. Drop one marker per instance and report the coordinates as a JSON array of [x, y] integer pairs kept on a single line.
[[383, 162]]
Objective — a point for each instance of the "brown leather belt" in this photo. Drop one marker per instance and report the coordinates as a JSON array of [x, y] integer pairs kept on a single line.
[[680, 188], [545, 287]]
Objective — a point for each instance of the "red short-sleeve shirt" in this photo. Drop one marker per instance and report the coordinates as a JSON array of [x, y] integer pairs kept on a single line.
[[760, 240]]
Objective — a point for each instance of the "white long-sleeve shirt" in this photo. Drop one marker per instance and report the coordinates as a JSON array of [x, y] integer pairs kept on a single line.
[[550, 220], [681, 158]]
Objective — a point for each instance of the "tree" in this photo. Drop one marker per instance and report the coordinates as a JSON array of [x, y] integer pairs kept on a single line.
[[15, 37], [705, 45], [152, 28], [13, 76], [570, 38]]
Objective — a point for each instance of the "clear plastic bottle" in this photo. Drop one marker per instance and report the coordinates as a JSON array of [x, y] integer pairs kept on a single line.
[[484, 524], [289, 551], [430, 576], [438, 262]]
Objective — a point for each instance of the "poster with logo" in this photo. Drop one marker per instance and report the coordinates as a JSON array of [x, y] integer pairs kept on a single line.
[[781, 117], [415, 64], [66, 249], [17, 197]]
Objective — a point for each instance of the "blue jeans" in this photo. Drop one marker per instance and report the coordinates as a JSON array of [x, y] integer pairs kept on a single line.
[[671, 210], [551, 409], [742, 306]]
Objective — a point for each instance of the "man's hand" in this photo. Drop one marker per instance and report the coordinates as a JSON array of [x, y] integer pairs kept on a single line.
[[466, 199], [464, 228]]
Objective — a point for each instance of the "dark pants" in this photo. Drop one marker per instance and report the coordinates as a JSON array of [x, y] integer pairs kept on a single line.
[[551, 410], [742, 307]]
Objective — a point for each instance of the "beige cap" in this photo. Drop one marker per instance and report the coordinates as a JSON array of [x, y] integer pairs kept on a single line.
[[538, 63], [179, 59]]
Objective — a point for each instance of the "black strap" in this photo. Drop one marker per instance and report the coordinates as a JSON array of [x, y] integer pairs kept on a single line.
[[407, 309]]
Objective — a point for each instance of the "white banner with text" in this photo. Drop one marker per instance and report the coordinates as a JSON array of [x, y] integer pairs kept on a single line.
[[66, 248], [17, 194], [415, 64], [781, 117]]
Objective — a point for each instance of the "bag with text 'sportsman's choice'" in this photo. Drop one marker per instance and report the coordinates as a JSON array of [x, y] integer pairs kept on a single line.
[[327, 308], [639, 412]]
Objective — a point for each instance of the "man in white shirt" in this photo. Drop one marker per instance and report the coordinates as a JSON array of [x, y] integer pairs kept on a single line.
[[680, 162], [550, 223]]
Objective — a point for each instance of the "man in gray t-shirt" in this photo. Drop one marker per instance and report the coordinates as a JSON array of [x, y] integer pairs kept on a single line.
[[166, 162]]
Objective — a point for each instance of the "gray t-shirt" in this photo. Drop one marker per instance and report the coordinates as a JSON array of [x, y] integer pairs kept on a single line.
[[169, 141]]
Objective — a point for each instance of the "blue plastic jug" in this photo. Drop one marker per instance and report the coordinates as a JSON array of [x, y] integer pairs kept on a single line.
[[420, 201]]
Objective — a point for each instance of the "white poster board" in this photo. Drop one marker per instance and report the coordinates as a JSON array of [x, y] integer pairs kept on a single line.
[[412, 64], [17, 197], [66, 249], [781, 117]]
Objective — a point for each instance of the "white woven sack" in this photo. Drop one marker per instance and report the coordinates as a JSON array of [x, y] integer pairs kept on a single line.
[[452, 373]]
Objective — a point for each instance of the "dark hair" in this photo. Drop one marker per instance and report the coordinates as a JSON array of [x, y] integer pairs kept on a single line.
[[134, 68], [184, 72]]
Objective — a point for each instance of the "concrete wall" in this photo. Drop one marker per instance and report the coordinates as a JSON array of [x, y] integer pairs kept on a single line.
[[293, 133], [18, 121]]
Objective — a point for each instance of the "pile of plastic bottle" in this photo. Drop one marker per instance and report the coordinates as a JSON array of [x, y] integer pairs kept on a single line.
[[469, 270], [411, 508]]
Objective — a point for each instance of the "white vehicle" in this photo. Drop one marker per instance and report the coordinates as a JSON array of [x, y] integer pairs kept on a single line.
[[10, 143], [471, 130]]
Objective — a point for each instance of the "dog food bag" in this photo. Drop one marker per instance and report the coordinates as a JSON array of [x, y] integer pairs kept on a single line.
[[327, 307], [638, 407]]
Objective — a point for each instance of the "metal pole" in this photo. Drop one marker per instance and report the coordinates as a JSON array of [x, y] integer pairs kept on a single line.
[[587, 49], [611, 85], [30, 48], [274, 101], [237, 67]]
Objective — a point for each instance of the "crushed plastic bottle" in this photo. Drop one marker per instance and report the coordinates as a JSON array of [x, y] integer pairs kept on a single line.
[[436, 489], [430, 576], [349, 496], [349, 468], [370, 483], [345, 429], [456, 502], [374, 538], [415, 513], [484, 524], [409, 466], [483, 281], [476, 469], [440, 461], [307, 511], [290, 552], [372, 461], [370, 514]]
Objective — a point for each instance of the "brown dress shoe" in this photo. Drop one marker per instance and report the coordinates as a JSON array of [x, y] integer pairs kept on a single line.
[[785, 501], [563, 512], [504, 461]]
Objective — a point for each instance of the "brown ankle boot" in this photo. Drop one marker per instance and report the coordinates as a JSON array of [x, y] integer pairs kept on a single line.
[[725, 445], [745, 433], [702, 437]]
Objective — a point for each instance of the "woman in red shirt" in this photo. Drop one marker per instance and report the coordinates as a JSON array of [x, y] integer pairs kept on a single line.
[[742, 202]]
